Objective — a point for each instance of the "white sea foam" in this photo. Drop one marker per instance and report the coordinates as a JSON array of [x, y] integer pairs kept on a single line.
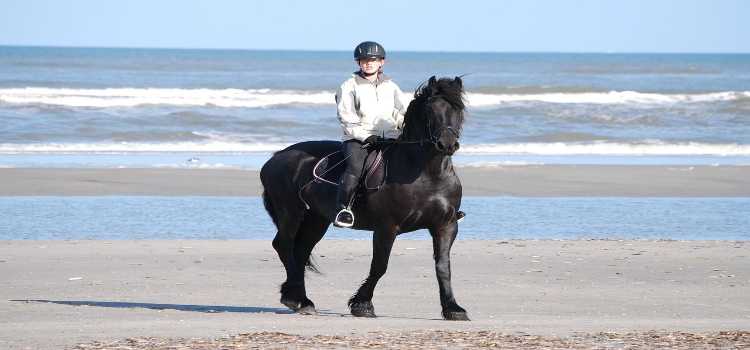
[[258, 98], [612, 97], [496, 164], [196, 166], [138, 147], [130, 97], [653, 148]]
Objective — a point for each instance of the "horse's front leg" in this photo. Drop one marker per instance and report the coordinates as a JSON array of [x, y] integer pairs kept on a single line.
[[442, 241], [361, 303]]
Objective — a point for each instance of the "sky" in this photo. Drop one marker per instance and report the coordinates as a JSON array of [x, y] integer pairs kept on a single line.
[[418, 25]]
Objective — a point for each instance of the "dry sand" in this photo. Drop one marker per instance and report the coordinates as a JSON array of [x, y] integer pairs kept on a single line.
[[545, 180], [56, 294]]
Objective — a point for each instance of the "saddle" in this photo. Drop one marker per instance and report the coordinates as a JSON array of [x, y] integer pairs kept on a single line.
[[329, 169]]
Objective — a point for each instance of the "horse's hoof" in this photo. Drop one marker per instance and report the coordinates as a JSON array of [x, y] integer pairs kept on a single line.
[[456, 316], [363, 313], [363, 309], [307, 310], [292, 304]]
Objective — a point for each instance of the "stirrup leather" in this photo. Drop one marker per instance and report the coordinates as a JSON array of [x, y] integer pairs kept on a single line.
[[338, 221]]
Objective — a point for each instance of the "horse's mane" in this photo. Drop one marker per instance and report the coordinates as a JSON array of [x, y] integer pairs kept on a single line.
[[450, 90]]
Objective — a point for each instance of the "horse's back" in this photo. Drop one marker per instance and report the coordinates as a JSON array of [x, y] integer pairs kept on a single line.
[[295, 161], [318, 148]]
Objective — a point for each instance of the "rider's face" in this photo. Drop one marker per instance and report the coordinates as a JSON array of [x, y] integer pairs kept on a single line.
[[370, 66]]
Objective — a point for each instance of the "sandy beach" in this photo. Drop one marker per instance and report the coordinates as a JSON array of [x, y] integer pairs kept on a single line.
[[520, 293], [534, 181], [56, 294]]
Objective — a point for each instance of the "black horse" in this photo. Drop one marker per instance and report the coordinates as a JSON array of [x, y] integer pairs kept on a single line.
[[421, 190]]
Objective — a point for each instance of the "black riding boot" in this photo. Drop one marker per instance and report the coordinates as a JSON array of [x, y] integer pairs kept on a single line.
[[356, 155], [345, 198]]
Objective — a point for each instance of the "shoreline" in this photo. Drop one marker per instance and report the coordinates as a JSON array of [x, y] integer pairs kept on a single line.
[[521, 181], [57, 294]]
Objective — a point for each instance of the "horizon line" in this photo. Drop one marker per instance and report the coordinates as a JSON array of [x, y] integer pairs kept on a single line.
[[610, 52]]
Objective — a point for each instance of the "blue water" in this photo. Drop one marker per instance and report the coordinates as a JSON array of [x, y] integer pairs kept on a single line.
[[195, 109], [134, 217], [523, 107], [314, 70], [255, 160]]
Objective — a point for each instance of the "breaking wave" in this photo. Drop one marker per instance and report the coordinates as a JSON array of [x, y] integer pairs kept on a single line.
[[654, 148], [131, 97], [259, 98]]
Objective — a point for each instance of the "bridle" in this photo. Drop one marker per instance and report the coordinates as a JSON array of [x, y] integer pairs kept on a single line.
[[434, 137]]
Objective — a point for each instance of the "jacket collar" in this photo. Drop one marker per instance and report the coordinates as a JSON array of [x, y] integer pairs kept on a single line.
[[362, 80]]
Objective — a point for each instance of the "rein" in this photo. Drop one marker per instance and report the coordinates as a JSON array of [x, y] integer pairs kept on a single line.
[[432, 137]]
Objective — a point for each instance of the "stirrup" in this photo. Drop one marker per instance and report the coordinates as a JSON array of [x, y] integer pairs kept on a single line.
[[344, 218], [460, 216]]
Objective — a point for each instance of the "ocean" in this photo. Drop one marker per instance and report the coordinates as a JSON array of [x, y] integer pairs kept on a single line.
[[91, 107], [199, 217], [196, 109]]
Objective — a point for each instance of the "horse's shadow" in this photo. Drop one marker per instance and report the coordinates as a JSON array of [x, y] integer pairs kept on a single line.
[[210, 309], [154, 306]]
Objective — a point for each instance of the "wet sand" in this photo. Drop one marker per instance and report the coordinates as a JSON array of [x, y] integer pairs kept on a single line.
[[60, 293], [537, 181]]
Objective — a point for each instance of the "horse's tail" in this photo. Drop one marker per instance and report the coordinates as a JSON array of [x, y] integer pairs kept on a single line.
[[269, 208], [312, 266]]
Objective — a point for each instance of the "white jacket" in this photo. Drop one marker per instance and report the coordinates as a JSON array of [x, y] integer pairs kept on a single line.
[[366, 108]]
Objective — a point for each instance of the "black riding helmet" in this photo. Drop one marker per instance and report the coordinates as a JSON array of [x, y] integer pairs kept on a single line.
[[369, 49]]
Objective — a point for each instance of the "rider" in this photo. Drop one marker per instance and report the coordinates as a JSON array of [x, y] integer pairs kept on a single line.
[[370, 108]]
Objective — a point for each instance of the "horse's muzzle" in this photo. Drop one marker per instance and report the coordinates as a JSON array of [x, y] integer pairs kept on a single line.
[[450, 149]]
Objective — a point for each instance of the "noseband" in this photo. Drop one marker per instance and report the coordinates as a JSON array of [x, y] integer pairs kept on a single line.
[[434, 137]]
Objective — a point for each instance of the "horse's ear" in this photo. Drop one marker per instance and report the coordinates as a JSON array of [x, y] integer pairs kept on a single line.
[[458, 82], [432, 81]]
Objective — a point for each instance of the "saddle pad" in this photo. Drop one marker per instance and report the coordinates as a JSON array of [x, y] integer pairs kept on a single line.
[[330, 168]]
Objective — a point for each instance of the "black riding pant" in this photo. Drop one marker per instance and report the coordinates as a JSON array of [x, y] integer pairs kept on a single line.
[[353, 171]]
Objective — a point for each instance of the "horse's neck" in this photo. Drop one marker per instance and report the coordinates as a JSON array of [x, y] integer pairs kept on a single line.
[[439, 166], [424, 160]]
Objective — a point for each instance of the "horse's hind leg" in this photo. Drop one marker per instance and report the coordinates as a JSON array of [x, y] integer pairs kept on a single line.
[[361, 303], [292, 290], [310, 232]]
